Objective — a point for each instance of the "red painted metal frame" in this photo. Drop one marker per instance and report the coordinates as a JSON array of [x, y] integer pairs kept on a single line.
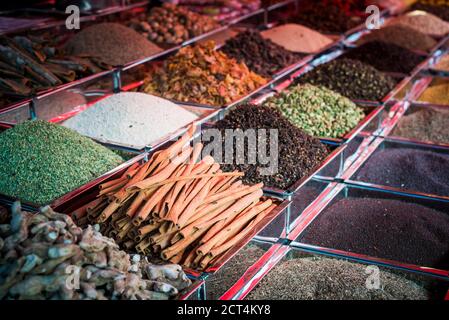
[[255, 273], [191, 290], [89, 191]]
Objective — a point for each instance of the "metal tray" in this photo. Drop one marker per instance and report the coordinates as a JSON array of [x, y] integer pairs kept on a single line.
[[281, 253], [90, 191], [394, 143], [410, 108], [373, 114], [236, 270], [421, 84], [342, 190]]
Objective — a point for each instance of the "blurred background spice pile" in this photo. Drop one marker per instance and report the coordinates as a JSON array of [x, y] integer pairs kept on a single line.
[[262, 56], [171, 24], [29, 64], [384, 56], [104, 39]]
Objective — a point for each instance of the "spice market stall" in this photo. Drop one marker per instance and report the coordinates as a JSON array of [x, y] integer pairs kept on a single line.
[[116, 155]]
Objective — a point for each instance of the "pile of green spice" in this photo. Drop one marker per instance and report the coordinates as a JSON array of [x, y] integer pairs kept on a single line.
[[318, 111], [41, 161], [298, 153], [351, 78]]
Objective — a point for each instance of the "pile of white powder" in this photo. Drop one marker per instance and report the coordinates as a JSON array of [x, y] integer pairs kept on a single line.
[[130, 118]]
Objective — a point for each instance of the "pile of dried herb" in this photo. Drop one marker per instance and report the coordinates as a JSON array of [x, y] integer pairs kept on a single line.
[[172, 24], [386, 56], [325, 18], [298, 153], [261, 55], [351, 78], [426, 124], [319, 278], [318, 111], [402, 36], [204, 75], [41, 161]]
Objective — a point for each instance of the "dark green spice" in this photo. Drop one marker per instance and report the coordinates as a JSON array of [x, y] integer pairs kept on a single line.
[[41, 161], [318, 111], [351, 78]]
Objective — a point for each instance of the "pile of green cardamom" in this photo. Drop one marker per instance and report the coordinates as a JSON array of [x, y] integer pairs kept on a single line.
[[318, 111], [41, 161]]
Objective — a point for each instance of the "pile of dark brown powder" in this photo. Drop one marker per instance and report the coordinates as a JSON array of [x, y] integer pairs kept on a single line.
[[384, 228]]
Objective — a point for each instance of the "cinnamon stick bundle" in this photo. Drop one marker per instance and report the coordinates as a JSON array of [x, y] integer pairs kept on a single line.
[[179, 207]]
